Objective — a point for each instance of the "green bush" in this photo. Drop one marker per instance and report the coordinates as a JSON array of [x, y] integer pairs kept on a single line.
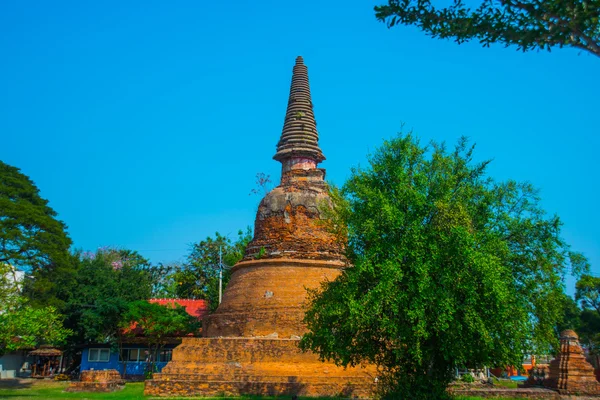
[[61, 377]]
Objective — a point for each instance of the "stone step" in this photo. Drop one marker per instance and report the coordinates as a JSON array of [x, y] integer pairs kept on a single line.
[[262, 379], [240, 350], [265, 369], [231, 388]]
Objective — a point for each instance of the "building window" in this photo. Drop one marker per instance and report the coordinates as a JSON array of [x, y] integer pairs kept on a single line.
[[98, 355], [134, 355], [165, 355]]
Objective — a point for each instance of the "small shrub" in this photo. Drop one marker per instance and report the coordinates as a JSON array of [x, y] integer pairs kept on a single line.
[[467, 378], [61, 377], [261, 253]]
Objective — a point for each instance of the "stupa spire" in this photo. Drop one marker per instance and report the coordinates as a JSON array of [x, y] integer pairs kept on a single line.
[[298, 147]]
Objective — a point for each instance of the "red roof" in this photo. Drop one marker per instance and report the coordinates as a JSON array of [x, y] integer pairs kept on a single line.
[[196, 308]]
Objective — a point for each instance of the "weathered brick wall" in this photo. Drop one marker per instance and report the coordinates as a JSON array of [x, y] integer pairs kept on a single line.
[[220, 388], [234, 366], [98, 381], [106, 375], [290, 221], [266, 298]]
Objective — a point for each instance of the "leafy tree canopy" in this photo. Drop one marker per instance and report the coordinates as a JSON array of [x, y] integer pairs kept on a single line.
[[450, 269], [22, 326], [9, 287], [528, 24], [94, 290], [587, 292], [30, 235], [570, 316], [158, 322], [199, 277], [26, 327]]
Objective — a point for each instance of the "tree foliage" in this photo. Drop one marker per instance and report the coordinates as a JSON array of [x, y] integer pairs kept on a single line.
[[570, 316], [199, 277], [157, 323], [93, 290], [450, 268], [30, 235], [528, 24], [587, 292], [21, 325], [106, 282], [9, 286], [26, 327]]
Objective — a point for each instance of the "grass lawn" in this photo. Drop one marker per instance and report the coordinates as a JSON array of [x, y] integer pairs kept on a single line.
[[42, 389], [506, 383], [51, 390]]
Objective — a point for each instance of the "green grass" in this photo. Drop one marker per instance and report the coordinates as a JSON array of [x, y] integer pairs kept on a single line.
[[481, 398], [51, 390], [506, 383], [54, 390]]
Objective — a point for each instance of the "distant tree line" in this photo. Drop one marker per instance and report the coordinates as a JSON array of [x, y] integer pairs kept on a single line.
[[73, 297]]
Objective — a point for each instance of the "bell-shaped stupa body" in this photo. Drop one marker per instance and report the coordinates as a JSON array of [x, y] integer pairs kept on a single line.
[[251, 341], [293, 247]]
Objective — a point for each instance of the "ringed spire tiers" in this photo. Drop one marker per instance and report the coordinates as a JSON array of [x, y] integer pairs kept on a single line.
[[299, 138]]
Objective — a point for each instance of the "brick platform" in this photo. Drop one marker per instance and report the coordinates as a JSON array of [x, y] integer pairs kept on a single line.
[[107, 380], [236, 366]]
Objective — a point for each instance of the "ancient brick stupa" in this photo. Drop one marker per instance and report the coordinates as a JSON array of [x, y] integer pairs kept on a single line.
[[251, 343], [570, 373]]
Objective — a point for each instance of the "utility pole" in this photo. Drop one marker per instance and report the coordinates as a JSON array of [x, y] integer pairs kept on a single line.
[[220, 275]]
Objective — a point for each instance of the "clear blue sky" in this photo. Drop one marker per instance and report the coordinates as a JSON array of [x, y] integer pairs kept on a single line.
[[144, 123]]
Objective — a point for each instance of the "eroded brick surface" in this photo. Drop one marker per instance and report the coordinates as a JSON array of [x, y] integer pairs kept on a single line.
[[290, 222], [233, 366], [98, 381], [266, 298]]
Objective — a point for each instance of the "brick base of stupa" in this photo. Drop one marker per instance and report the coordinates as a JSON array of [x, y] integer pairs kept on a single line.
[[255, 366]]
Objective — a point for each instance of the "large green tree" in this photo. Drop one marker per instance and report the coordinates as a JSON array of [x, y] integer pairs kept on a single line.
[[587, 292], [21, 325], [31, 237], [450, 268], [198, 278], [157, 324], [528, 24], [106, 282], [93, 290], [26, 327]]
